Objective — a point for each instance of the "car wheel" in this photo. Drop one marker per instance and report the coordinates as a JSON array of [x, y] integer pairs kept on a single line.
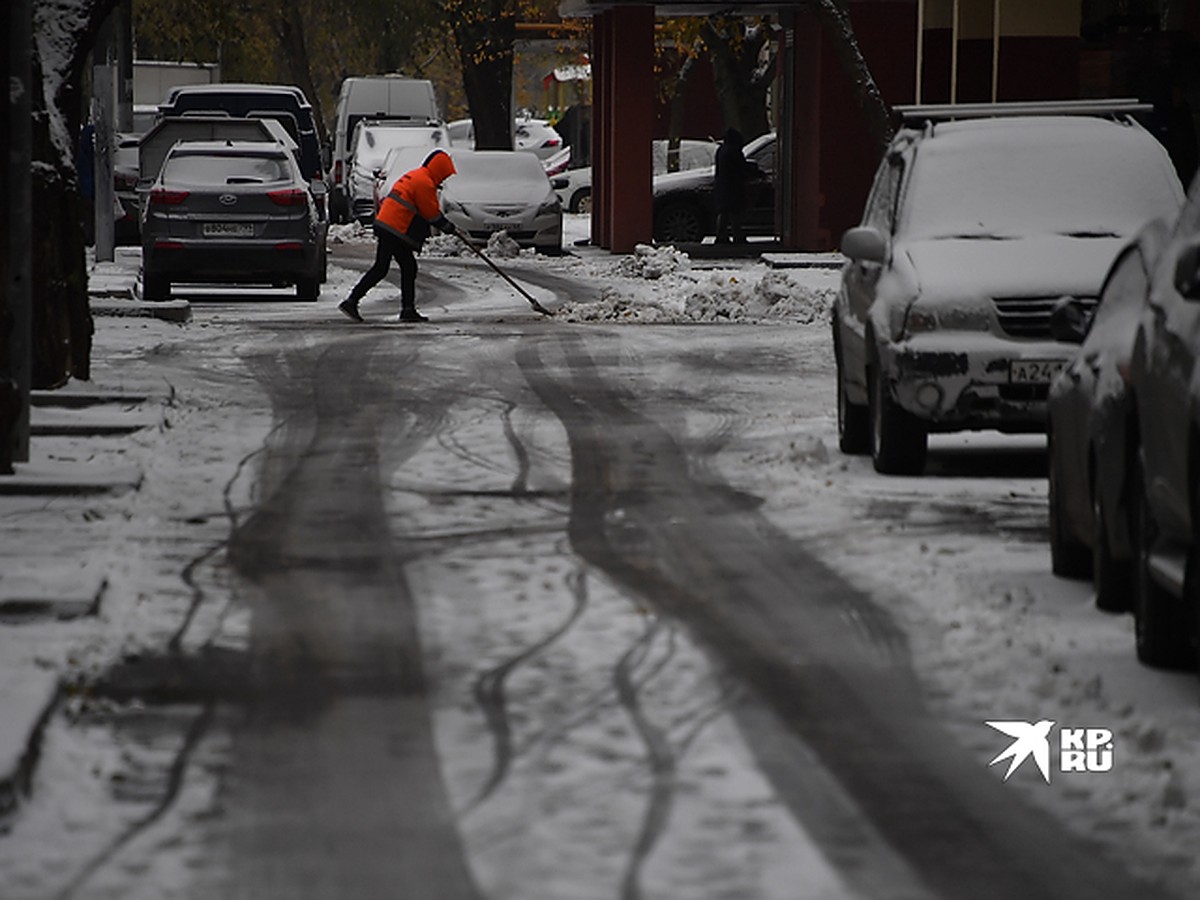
[[899, 439], [679, 223], [1112, 579], [1160, 625], [308, 287], [324, 263], [1069, 558], [581, 201], [155, 286], [853, 419]]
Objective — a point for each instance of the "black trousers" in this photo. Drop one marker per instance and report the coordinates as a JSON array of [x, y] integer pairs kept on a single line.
[[387, 248]]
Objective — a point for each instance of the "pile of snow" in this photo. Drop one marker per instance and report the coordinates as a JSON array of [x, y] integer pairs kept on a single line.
[[350, 233], [660, 285], [653, 262]]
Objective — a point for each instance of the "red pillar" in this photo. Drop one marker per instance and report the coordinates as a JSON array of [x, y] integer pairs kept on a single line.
[[801, 128], [622, 127]]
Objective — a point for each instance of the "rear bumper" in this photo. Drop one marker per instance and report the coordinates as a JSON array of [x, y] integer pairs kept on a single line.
[[227, 262]]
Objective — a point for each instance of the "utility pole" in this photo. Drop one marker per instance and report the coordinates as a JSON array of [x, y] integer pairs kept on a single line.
[[103, 96], [16, 271]]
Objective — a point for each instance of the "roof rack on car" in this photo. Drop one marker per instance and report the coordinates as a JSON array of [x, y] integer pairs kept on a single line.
[[944, 112]]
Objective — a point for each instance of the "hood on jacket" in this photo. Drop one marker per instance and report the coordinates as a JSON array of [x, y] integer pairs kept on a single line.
[[440, 166]]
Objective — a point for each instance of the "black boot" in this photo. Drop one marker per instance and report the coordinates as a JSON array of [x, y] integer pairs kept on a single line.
[[408, 313]]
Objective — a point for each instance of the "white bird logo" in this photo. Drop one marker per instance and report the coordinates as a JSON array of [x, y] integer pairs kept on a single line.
[[1029, 740]]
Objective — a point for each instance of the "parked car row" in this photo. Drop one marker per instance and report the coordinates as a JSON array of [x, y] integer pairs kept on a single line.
[[1126, 412], [977, 222], [1029, 268]]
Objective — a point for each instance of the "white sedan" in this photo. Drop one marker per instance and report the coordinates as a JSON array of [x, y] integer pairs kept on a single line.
[[494, 190]]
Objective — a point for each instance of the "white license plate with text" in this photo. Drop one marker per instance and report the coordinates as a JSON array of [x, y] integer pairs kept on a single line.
[[1034, 371], [227, 229]]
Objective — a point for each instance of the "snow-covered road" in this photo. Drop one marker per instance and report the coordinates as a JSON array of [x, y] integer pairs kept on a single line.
[[589, 741]]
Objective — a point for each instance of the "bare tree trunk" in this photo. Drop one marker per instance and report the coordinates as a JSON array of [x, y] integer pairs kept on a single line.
[[289, 30], [741, 79], [835, 17], [484, 31], [62, 319], [678, 108]]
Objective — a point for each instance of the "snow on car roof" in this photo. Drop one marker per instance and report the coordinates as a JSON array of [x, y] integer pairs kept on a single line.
[[1044, 175]]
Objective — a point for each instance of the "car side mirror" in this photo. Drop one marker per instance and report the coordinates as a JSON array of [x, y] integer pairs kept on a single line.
[[1187, 271], [865, 244], [1069, 320]]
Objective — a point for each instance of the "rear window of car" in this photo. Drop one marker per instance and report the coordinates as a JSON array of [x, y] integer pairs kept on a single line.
[[1097, 180], [225, 168]]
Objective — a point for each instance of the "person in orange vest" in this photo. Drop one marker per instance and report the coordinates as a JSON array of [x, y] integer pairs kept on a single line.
[[401, 226]]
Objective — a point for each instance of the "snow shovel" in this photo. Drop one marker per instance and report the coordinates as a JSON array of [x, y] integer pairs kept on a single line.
[[495, 268]]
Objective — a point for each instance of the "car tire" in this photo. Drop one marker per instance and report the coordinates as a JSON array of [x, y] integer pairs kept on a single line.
[[156, 287], [324, 264], [1112, 579], [1069, 558], [899, 440], [679, 222], [308, 288], [581, 201], [853, 419], [1161, 626]]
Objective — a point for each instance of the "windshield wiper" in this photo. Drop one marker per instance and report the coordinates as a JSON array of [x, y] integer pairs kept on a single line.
[[1090, 234]]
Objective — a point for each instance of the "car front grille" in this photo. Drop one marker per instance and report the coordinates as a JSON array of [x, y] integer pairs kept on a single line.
[[1029, 317]]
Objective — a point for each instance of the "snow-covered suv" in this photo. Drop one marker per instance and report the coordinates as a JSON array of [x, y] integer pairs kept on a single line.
[[973, 229]]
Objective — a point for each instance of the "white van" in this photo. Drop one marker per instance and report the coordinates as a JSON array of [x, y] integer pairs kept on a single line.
[[378, 97]]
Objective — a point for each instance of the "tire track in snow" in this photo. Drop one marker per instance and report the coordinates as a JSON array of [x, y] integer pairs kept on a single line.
[[489, 690]]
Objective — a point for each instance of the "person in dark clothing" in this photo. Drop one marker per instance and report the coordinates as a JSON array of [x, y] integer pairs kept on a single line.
[[729, 187], [401, 227]]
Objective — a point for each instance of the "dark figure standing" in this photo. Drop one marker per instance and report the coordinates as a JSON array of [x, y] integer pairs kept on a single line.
[[729, 187], [401, 226]]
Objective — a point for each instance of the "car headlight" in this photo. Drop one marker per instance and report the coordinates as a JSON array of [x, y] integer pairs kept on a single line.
[[551, 206], [456, 207], [964, 317]]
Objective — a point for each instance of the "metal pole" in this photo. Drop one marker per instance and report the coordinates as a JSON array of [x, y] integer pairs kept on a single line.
[[995, 50], [102, 89], [20, 218], [954, 56], [920, 49]]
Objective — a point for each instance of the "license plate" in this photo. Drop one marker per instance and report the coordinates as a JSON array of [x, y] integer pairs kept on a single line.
[[227, 229], [1034, 371]]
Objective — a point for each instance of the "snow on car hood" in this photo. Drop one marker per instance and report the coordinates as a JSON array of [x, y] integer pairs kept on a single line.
[[1041, 266]]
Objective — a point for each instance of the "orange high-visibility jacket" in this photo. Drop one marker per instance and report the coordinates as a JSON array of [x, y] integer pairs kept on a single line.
[[412, 203]]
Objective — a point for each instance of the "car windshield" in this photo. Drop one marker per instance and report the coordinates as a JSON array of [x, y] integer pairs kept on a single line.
[[224, 168], [1091, 181], [476, 171]]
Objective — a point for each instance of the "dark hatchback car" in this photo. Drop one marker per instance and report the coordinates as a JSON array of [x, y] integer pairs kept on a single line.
[[1090, 416], [232, 212], [284, 103], [683, 201]]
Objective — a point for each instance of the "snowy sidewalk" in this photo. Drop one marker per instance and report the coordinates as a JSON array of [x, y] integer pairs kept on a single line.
[[52, 512]]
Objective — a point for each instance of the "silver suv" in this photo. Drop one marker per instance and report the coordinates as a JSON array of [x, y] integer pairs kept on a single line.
[[973, 229]]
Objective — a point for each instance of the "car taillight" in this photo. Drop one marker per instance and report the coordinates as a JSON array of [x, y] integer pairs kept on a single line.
[[337, 172], [168, 245], [289, 197], [167, 198], [289, 245], [552, 142]]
